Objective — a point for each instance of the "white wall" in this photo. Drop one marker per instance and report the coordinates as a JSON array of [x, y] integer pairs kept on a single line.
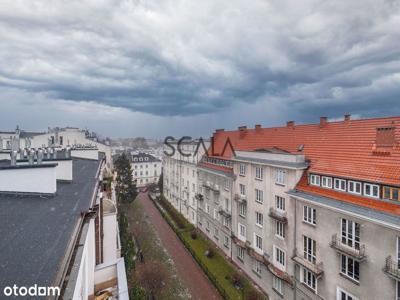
[[63, 168], [151, 172], [110, 238], [88, 154], [5, 155], [29, 180]]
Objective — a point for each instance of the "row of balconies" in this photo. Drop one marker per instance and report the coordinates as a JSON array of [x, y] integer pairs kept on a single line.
[[212, 186]]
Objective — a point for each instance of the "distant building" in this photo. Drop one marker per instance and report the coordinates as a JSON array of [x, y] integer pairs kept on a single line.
[[146, 169], [59, 225]]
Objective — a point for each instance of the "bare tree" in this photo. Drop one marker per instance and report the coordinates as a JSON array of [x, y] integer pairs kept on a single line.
[[152, 276]]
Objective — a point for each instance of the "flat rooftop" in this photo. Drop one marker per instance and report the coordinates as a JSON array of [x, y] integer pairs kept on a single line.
[[35, 230]]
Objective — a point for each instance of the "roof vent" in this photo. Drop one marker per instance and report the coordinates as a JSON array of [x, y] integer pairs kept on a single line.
[[300, 148], [219, 130], [13, 155], [40, 156], [31, 156], [258, 126], [323, 121], [347, 117], [242, 128], [290, 124], [385, 137]]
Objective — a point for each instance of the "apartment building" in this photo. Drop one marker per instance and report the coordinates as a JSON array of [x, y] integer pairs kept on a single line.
[[180, 175], [313, 209], [146, 169], [59, 227]]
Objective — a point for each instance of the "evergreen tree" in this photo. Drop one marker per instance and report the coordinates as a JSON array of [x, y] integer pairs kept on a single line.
[[125, 188]]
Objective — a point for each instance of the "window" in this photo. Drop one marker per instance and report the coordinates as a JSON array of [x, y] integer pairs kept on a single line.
[[280, 229], [215, 214], [340, 184], [280, 203], [308, 278], [208, 226], [309, 215], [242, 170], [193, 187], [216, 233], [240, 253], [259, 196], [226, 185], [351, 234], [280, 176], [207, 208], [61, 140], [343, 295], [226, 204], [226, 241], [326, 182], [258, 243], [242, 189], [257, 267], [259, 219], [242, 232], [350, 267], [315, 179], [354, 187], [279, 257], [226, 222], [371, 190], [309, 249], [277, 285], [391, 193], [242, 209], [259, 173]]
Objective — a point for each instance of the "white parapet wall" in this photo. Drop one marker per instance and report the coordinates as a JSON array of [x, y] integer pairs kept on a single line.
[[4, 155], [85, 153], [63, 168], [29, 179]]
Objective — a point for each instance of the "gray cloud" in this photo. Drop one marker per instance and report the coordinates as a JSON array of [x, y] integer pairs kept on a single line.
[[206, 58]]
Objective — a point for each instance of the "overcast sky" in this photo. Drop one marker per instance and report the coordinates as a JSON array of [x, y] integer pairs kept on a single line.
[[170, 67]]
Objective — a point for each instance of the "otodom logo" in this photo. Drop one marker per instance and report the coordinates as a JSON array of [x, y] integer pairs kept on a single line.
[[32, 291]]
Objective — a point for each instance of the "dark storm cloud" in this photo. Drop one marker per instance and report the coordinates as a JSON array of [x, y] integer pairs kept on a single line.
[[197, 57]]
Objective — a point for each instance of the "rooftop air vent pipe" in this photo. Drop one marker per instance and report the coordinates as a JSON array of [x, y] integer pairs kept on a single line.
[[40, 156], [31, 156], [13, 155]]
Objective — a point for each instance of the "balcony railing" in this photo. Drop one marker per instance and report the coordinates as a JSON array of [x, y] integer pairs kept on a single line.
[[357, 253], [278, 215], [224, 212], [240, 198], [392, 268], [316, 268], [199, 197]]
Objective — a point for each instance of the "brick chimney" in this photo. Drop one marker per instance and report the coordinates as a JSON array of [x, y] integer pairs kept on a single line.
[[242, 128], [290, 124], [219, 130], [323, 121], [258, 126], [347, 117]]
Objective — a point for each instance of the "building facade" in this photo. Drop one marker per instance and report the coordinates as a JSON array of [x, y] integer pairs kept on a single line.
[[146, 169]]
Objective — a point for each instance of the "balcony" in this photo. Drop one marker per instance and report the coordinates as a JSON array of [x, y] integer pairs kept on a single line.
[[356, 253], [278, 215], [224, 212], [316, 268], [212, 186], [199, 197], [240, 198], [392, 268]]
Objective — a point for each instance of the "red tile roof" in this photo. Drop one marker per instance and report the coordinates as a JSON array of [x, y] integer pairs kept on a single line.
[[215, 167], [343, 148]]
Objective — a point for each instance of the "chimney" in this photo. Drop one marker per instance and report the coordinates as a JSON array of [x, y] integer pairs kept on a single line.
[[219, 130], [347, 117], [31, 156], [258, 126], [290, 124], [242, 128], [13, 155], [323, 121], [40, 156], [68, 152]]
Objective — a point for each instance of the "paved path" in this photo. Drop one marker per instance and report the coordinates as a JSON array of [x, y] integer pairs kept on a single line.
[[188, 270]]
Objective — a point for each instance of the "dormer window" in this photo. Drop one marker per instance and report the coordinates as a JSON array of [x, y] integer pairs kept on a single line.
[[391, 193], [354, 187], [385, 137], [326, 182], [371, 190], [340, 184], [315, 179]]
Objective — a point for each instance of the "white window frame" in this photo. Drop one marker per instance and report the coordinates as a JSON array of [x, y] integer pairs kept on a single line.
[[280, 203], [259, 219], [240, 253], [241, 236], [372, 186], [280, 177], [259, 173], [348, 296], [226, 241], [242, 169], [326, 182], [227, 185], [305, 276], [257, 267], [242, 189], [279, 229], [242, 210], [215, 214], [279, 256], [351, 187], [258, 243], [259, 196], [349, 235], [340, 181], [315, 179], [347, 272], [277, 285], [309, 215], [310, 249]]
